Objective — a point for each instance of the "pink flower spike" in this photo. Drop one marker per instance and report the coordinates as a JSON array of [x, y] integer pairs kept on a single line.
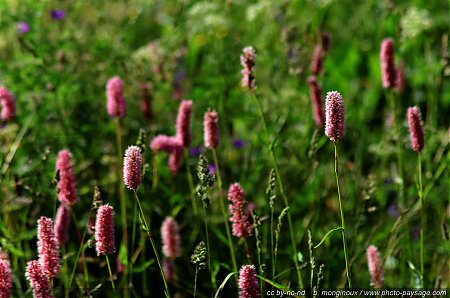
[[248, 282], [374, 264], [316, 101], [400, 78], [175, 159], [48, 248], [8, 105], [241, 226], [164, 143], [325, 38], [104, 230], [211, 129], [38, 279], [132, 165], [388, 70], [316, 61], [183, 123], [115, 103], [248, 63], [67, 186], [335, 114], [62, 224], [415, 129], [5, 276], [170, 238], [168, 269]]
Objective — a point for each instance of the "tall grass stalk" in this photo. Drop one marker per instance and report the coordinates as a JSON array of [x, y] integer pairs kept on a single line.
[[110, 274], [422, 220], [150, 236], [281, 187], [123, 208], [344, 241], [224, 213]]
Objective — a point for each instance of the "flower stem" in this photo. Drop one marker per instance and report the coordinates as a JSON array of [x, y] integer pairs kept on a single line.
[[281, 187], [207, 247], [110, 274], [422, 221], [224, 213], [152, 242], [347, 266]]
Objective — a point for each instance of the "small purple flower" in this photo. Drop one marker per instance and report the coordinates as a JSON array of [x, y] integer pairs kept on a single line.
[[393, 211], [57, 14], [212, 169], [238, 143], [195, 151], [23, 27]]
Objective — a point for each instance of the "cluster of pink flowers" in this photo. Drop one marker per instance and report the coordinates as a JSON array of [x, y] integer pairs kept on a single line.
[[248, 282], [316, 62], [132, 165], [67, 186], [211, 129], [5, 276], [316, 101], [415, 129], [48, 248], [241, 227], [173, 145], [248, 63], [39, 280], [170, 238], [8, 105], [104, 231], [62, 221], [388, 71], [115, 101], [374, 264], [335, 116]]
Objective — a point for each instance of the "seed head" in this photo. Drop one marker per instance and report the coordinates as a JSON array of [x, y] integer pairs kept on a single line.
[[48, 248], [170, 238], [211, 129], [62, 224], [67, 186], [132, 167], [115, 104], [39, 280], [374, 264], [8, 105], [388, 70], [104, 230], [415, 129], [248, 282], [335, 114], [183, 123]]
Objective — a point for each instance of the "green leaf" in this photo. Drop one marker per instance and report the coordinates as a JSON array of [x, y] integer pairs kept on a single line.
[[142, 267], [222, 285], [328, 234], [123, 254]]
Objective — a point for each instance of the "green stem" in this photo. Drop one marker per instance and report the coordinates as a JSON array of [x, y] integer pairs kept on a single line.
[[208, 247], [153, 243], [155, 173], [110, 274], [190, 181], [133, 238], [195, 280], [422, 221], [272, 252], [224, 213], [281, 187], [123, 208], [347, 266]]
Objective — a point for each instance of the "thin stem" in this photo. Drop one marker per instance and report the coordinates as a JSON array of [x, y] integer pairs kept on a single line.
[[280, 186], [422, 221], [155, 173], [224, 213], [195, 280], [153, 243], [272, 252], [133, 237], [207, 247], [247, 252], [347, 267], [190, 181], [110, 274], [123, 208]]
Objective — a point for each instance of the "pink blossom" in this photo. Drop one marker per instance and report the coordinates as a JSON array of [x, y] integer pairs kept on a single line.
[[334, 121], [104, 231], [211, 129], [48, 248], [388, 70], [316, 101], [39, 280], [316, 61], [115, 104], [248, 63], [400, 78], [62, 224], [5, 276], [67, 186], [170, 238], [168, 269], [175, 159], [8, 105], [132, 165], [248, 282], [374, 263], [183, 123], [415, 129], [241, 226], [164, 143]]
